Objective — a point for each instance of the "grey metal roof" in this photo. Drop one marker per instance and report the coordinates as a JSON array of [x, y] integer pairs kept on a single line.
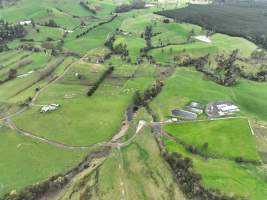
[[184, 114]]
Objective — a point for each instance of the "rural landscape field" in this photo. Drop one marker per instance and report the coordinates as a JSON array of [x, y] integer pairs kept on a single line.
[[133, 100]]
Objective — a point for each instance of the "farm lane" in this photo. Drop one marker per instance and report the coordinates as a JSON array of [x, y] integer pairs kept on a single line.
[[111, 143]]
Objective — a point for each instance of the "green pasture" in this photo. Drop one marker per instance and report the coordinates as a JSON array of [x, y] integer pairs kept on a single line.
[[44, 33], [139, 170], [219, 135], [21, 88], [221, 44], [187, 85], [75, 121], [89, 41], [25, 161], [231, 178], [174, 32]]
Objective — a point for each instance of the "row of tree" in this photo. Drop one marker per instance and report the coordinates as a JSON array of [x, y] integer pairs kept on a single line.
[[147, 35], [87, 7], [95, 26], [92, 90], [149, 94]]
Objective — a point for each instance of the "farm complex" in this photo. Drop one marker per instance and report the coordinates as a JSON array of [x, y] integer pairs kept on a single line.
[[133, 99]]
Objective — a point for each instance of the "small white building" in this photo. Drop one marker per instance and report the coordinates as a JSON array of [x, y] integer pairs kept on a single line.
[[49, 108], [149, 5], [202, 38], [219, 109], [200, 2], [225, 108], [25, 22], [69, 31]]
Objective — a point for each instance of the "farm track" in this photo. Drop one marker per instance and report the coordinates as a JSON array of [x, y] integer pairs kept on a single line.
[[112, 143]]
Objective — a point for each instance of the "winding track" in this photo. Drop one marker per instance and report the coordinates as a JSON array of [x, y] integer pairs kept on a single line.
[[112, 143]]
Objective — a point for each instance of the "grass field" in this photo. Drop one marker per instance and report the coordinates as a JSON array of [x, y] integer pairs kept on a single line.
[[187, 85], [138, 172], [77, 116], [227, 176], [25, 161], [220, 135], [44, 33], [220, 44]]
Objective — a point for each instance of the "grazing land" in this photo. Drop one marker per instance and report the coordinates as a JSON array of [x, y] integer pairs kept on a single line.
[[87, 93], [228, 176], [25, 161], [219, 136], [192, 87], [138, 171]]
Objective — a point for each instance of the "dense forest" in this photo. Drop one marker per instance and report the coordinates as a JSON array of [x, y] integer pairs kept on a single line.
[[242, 19]]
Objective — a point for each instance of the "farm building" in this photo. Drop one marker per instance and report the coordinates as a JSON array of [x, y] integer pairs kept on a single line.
[[195, 107], [219, 109], [49, 108], [183, 114], [149, 5], [25, 22], [200, 2]]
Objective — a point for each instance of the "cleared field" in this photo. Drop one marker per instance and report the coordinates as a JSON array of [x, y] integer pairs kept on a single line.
[[220, 44], [25, 162], [245, 180], [166, 32], [79, 116], [219, 135], [44, 33], [138, 172], [45, 10], [24, 62], [16, 86], [89, 42], [187, 85]]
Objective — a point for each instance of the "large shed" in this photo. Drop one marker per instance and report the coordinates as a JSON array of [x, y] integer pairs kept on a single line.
[[184, 114]]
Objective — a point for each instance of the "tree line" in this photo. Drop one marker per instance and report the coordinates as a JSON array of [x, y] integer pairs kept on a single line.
[[92, 90], [10, 31], [87, 7], [190, 181], [95, 26], [136, 4]]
